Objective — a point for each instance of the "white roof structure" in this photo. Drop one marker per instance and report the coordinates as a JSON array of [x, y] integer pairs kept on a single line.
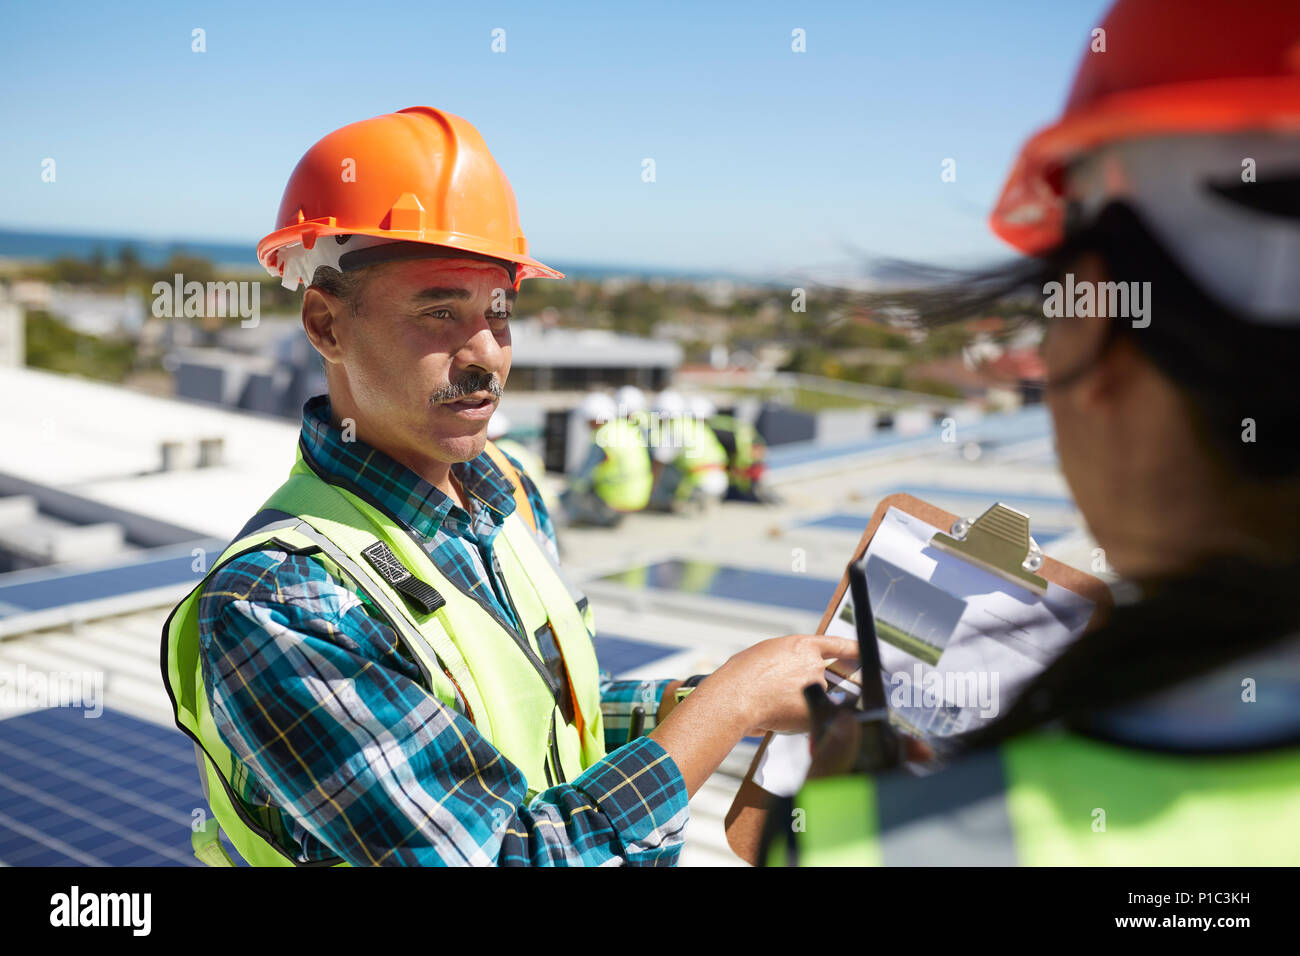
[[106, 443], [535, 346]]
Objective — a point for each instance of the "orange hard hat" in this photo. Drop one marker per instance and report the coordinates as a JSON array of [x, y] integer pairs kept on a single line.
[[419, 175], [1196, 66]]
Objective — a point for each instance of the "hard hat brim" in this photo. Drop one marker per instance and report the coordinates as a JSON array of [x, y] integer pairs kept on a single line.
[[1030, 212], [307, 234]]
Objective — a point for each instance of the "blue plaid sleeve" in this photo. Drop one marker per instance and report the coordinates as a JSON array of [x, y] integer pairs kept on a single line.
[[317, 700], [619, 697]]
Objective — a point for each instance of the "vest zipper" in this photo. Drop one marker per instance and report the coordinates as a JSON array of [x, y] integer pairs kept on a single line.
[[554, 747], [546, 759], [538, 665]]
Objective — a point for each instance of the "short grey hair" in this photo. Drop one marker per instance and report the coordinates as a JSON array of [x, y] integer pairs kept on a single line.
[[347, 286]]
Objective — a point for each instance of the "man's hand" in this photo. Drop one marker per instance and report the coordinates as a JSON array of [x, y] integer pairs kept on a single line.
[[767, 680], [758, 689]]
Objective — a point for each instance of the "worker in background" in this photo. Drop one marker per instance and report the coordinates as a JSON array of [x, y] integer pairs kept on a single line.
[[1171, 735], [614, 479], [746, 452], [521, 456], [690, 465], [632, 405], [387, 666]]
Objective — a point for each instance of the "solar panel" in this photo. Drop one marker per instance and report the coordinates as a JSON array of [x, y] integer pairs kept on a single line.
[[143, 573], [797, 591], [1021, 426], [119, 791], [109, 791], [839, 521], [857, 523], [618, 654], [1014, 498]]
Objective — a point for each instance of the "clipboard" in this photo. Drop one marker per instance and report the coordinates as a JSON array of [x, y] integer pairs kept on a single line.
[[997, 541]]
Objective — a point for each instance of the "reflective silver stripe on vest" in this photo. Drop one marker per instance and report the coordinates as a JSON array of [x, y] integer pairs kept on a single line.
[[956, 817], [271, 519]]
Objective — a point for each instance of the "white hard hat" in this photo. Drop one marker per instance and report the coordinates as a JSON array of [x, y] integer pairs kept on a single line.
[[669, 402], [498, 425], [597, 407], [701, 407], [630, 400]]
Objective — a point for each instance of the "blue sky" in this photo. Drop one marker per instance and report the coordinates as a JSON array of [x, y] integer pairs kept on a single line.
[[767, 161]]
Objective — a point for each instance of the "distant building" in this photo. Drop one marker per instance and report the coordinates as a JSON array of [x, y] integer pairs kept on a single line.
[[1000, 377], [1022, 369], [544, 360], [32, 293], [13, 334], [97, 313]]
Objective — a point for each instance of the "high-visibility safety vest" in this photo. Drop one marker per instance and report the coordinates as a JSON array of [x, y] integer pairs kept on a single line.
[[516, 688], [701, 452], [624, 479], [744, 448], [1052, 799]]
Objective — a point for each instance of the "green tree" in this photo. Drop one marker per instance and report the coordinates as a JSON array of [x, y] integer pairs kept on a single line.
[[55, 346]]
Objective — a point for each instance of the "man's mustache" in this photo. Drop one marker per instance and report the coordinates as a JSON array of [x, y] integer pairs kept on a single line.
[[467, 384]]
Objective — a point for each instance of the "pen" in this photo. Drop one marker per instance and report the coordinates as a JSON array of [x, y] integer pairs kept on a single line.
[[878, 745], [820, 710], [637, 722]]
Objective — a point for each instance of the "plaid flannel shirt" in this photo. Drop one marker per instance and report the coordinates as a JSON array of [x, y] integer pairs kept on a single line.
[[343, 751]]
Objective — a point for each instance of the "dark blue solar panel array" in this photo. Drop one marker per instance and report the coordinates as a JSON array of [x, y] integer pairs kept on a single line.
[[619, 654], [1024, 500], [857, 523], [1024, 425], [797, 591], [118, 791], [141, 575], [105, 791]]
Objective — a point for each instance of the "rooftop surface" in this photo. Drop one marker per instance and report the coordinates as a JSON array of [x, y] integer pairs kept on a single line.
[[673, 596]]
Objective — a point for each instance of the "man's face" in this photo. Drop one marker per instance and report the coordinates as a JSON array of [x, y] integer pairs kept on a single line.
[[426, 354]]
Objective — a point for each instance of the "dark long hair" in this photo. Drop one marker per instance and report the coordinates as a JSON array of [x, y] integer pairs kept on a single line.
[[1228, 368]]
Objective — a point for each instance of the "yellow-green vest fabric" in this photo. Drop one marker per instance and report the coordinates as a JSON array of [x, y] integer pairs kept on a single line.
[[624, 479], [1057, 799], [458, 647], [747, 444], [701, 452]]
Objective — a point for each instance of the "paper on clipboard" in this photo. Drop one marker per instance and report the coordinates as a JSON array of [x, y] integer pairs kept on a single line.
[[957, 643]]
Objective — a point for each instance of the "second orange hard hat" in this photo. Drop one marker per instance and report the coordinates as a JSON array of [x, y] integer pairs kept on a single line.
[[1161, 68], [419, 175]]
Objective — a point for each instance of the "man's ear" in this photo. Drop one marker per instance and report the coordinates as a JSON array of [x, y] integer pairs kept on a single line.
[[322, 318]]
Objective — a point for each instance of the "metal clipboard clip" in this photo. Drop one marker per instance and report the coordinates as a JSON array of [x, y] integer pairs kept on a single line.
[[999, 542]]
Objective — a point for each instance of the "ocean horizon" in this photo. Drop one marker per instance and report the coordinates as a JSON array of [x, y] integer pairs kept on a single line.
[[47, 246]]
